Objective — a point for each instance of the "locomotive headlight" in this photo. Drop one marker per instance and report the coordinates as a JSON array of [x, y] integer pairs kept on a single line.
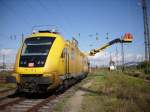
[[25, 62], [38, 62], [42, 62]]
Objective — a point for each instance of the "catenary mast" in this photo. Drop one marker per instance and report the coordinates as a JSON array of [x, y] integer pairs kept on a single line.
[[146, 31]]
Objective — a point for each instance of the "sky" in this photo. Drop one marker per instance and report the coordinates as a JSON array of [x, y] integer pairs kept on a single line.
[[83, 19]]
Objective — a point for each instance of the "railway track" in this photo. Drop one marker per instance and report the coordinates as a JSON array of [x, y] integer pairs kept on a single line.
[[29, 103], [6, 92], [11, 102], [26, 105], [32, 102]]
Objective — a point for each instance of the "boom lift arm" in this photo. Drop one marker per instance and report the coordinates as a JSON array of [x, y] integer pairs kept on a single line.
[[126, 39]]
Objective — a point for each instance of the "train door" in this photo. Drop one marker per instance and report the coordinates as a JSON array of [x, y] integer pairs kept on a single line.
[[67, 61]]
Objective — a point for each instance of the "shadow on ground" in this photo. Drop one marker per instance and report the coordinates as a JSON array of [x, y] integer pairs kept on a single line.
[[90, 91]]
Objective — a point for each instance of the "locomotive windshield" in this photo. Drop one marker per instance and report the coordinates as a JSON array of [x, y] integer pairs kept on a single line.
[[37, 45]]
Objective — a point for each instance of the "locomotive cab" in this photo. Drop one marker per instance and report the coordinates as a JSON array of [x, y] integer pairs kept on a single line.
[[36, 61]]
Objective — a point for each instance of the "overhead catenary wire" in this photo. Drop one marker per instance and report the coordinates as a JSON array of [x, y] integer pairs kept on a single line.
[[48, 12], [68, 22]]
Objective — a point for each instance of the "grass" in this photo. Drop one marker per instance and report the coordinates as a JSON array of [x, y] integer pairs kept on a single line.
[[5, 73], [60, 105], [7, 85], [138, 74], [116, 92]]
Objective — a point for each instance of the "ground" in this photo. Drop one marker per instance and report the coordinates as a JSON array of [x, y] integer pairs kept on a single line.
[[106, 91], [74, 103]]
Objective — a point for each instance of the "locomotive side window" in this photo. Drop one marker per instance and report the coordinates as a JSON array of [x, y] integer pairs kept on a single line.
[[63, 53], [72, 54]]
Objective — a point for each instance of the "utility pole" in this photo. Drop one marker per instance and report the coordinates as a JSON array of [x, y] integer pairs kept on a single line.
[[107, 37], [4, 61], [146, 31], [122, 53], [22, 38], [117, 58], [146, 35]]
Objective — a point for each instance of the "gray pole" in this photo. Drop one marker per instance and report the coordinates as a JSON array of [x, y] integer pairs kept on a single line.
[[122, 53], [146, 34], [22, 38], [3, 61], [117, 58], [146, 31]]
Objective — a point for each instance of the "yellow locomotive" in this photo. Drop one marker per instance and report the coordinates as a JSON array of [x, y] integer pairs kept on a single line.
[[46, 61]]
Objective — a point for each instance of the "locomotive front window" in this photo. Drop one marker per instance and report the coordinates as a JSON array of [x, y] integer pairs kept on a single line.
[[37, 45]]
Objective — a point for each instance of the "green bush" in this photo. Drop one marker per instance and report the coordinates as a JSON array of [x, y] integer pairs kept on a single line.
[[145, 65]]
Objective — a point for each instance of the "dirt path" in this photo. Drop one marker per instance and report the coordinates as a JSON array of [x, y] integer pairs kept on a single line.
[[74, 103]]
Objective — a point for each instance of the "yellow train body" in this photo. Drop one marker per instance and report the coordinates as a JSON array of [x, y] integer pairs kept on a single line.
[[46, 60]]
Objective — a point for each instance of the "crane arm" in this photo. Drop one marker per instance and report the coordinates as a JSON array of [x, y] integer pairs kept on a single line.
[[94, 51], [127, 39]]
